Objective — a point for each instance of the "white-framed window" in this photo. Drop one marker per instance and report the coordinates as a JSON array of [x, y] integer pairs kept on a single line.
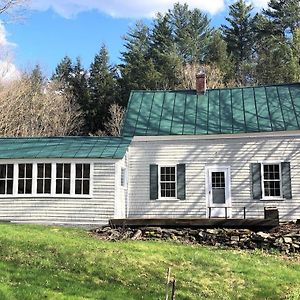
[[63, 178], [123, 178], [6, 179], [271, 180], [25, 178], [82, 181], [167, 182], [44, 178]]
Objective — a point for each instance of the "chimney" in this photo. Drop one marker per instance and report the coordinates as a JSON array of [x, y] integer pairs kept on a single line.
[[201, 83]]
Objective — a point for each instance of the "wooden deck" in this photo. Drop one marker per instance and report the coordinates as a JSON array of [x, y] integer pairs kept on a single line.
[[196, 223]]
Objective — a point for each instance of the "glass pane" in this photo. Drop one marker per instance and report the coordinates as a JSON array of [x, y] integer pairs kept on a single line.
[[10, 171], [2, 187], [21, 170], [86, 187], [40, 168], [47, 186], [86, 171], [9, 187], [2, 171], [28, 186], [47, 170], [59, 172], [78, 170], [40, 186], [66, 186], [67, 170], [218, 195], [21, 186], [28, 170], [58, 186], [78, 187]]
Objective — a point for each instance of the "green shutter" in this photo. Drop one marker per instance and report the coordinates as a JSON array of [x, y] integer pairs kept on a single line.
[[153, 182], [256, 181], [286, 180], [181, 181]]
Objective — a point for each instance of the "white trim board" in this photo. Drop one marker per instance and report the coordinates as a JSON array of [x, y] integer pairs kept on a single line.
[[275, 134]]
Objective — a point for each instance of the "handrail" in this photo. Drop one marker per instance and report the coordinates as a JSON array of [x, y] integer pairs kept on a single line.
[[226, 211]]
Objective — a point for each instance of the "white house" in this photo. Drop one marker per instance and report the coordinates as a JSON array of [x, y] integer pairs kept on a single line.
[[207, 153]]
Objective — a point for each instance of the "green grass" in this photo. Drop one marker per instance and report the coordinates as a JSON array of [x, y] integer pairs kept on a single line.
[[39, 262]]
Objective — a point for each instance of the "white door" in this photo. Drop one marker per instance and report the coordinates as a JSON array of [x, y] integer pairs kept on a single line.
[[218, 192]]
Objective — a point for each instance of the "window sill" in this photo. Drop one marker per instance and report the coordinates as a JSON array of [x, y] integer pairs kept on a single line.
[[272, 199], [45, 196], [168, 199]]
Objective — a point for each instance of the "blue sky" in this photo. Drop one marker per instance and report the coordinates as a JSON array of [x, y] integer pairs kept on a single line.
[[53, 29]]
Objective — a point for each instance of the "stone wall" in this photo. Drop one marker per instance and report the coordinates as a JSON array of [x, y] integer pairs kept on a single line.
[[285, 238]]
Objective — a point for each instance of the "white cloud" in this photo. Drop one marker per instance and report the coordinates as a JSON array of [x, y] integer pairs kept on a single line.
[[123, 8], [260, 3], [8, 71]]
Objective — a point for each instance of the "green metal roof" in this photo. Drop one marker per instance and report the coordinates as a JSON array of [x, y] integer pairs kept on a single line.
[[218, 111], [64, 147]]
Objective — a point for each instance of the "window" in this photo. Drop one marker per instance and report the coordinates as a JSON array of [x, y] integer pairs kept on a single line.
[[25, 179], [123, 177], [6, 179], [168, 182], [271, 180], [82, 180], [63, 178], [44, 178]]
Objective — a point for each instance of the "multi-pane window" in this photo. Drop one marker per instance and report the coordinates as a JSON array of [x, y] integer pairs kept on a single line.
[[6, 179], [218, 187], [168, 182], [63, 178], [44, 178], [271, 180], [25, 179], [82, 180]]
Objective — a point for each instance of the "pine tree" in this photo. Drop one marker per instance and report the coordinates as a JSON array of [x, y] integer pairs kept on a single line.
[[163, 53], [63, 71], [137, 70], [191, 29], [239, 38], [102, 85], [284, 15], [218, 56]]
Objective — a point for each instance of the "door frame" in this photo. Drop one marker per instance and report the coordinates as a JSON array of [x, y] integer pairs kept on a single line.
[[208, 188]]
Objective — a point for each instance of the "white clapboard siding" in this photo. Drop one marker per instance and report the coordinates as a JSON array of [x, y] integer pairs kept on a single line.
[[85, 211], [237, 153]]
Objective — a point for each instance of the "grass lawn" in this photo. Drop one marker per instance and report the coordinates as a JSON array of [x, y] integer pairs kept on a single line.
[[39, 262]]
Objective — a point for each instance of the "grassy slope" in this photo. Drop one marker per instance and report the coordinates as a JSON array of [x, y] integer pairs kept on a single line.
[[56, 263]]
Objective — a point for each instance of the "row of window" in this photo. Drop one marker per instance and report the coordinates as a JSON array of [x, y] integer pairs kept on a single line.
[[271, 178], [44, 178]]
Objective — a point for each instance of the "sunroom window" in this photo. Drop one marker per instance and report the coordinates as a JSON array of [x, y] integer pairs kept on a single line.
[[82, 180], [63, 178], [6, 179], [44, 178], [25, 179], [168, 182], [271, 180]]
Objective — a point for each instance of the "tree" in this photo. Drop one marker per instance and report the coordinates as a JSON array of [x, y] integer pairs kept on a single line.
[[137, 70], [64, 72], [240, 38], [103, 90], [29, 108], [163, 53], [218, 56], [12, 9], [284, 15], [191, 29]]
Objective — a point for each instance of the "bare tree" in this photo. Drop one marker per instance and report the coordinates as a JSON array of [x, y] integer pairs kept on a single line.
[[214, 76], [113, 126], [12, 9], [28, 109]]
